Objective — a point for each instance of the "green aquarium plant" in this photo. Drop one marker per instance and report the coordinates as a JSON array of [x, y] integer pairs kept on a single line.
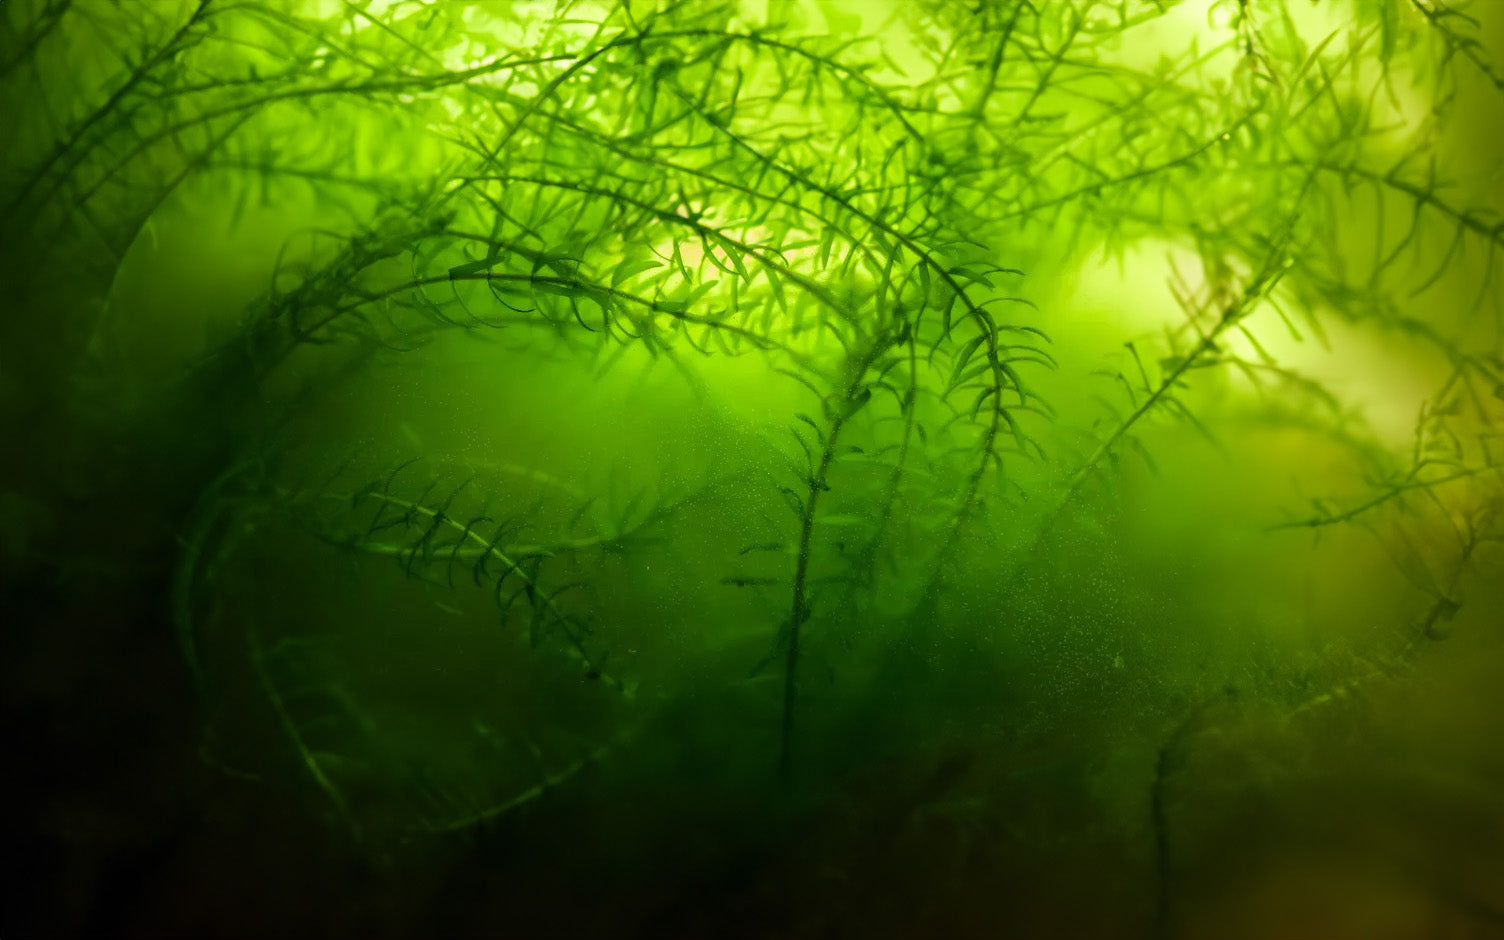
[[504, 410]]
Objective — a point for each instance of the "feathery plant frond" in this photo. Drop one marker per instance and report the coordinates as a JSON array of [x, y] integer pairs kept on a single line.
[[855, 252]]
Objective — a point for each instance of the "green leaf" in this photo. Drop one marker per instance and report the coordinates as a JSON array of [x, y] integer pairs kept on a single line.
[[473, 267], [858, 401], [629, 269], [963, 357]]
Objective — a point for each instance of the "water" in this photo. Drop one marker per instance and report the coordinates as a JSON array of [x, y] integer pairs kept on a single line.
[[615, 472]]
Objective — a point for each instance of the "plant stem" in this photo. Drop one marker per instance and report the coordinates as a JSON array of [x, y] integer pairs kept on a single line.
[[799, 610]]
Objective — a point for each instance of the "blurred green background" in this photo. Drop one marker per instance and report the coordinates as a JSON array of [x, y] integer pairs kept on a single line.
[[768, 469]]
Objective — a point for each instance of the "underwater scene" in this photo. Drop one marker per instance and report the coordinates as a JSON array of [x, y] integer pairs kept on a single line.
[[753, 469]]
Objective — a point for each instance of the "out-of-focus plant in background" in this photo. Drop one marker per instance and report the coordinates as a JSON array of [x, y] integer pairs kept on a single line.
[[471, 417]]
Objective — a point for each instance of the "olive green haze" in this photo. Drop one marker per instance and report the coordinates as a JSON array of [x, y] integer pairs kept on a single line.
[[909, 468]]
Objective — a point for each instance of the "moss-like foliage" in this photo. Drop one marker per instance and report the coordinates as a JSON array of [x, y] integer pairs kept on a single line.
[[510, 409]]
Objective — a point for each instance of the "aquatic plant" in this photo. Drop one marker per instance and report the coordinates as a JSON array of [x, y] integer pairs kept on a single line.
[[591, 355]]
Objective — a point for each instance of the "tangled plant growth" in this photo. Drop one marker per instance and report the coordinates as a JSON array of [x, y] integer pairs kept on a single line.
[[556, 364]]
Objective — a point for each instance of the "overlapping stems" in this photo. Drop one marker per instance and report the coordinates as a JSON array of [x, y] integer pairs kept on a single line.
[[758, 214], [672, 180]]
